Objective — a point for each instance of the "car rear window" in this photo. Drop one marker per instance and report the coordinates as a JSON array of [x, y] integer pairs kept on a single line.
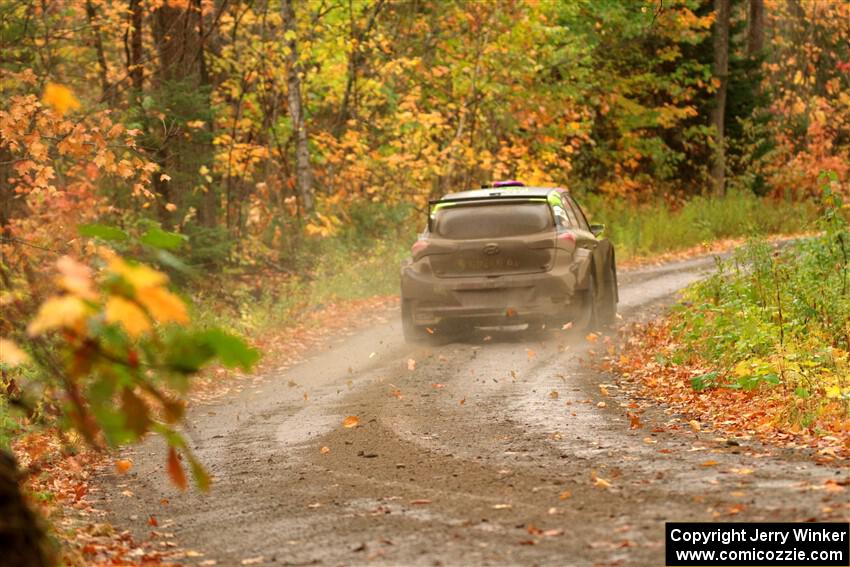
[[492, 220]]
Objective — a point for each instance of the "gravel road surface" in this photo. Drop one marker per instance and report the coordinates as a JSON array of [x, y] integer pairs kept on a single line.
[[497, 450]]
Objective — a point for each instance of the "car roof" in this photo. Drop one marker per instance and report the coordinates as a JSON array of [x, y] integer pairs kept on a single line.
[[497, 192]]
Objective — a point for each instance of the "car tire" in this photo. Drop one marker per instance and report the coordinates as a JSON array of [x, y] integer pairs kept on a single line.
[[585, 319], [607, 307], [412, 333]]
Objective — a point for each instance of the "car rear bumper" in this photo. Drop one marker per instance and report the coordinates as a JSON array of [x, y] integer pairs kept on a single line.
[[500, 300]]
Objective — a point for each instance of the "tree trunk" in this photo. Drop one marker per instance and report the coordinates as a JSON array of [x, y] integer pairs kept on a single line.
[[303, 172], [134, 50], [721, 72], [22, 537], [97, 39], [755, 28]]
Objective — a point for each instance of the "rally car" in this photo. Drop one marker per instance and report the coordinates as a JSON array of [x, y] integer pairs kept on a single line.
[[507, 255]]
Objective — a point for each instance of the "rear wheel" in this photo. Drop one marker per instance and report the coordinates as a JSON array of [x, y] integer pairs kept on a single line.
[[412, 333], [607, 308], [585, 319]]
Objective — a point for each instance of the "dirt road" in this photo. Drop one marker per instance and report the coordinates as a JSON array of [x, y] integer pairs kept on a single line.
[[462, 460]]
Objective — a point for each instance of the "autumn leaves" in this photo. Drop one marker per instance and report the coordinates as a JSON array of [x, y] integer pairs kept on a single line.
[[133, 297]]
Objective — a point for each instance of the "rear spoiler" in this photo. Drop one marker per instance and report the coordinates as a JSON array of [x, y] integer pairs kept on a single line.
[[495, 196]]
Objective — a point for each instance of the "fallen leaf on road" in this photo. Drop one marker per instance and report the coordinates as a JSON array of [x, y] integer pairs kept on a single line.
[[501, 506], [123, 465], [429, 330], [420, 502], [603, 390], [649, 441], [598, 481], [553, 532], [351, 421], [709, 463], [462, 401], [396, 393], [531, 354], [634, 420], [567, 326], [175, 470], [743, 471], [315, 505], [152, 521], [554, 394], [601, 405], [411, 364], [565, 495], [695, 425], [252, 561], [437, 385], [592, 337], [325, 450]]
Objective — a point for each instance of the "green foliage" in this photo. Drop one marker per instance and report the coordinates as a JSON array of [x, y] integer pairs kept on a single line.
[[651, 228], [771, 318], [113, 352]]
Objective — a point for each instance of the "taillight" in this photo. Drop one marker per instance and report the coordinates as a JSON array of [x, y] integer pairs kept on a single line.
[[418, 247], [567, 237]]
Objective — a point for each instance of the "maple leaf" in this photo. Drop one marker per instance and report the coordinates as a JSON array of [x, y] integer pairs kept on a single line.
[[66, 311], [60, 98], [175, 470], [127, 314], [75, 278], [139, 276], [163, 305], [351, 421]]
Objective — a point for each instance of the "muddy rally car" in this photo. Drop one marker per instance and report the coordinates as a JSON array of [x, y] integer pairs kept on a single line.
[[507, 255]]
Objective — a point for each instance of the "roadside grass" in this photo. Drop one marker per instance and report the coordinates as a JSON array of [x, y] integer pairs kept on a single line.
[[764, 342], [654, 228], [335, 271]]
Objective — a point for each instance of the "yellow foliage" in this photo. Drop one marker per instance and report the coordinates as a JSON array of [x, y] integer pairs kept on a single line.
[[127, 314], [60, 98], [65, 311], [11, 354], [75, 278], [138, 276], [163, 305]]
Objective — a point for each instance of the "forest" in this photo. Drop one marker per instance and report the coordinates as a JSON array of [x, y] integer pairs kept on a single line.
[[198, 172]]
